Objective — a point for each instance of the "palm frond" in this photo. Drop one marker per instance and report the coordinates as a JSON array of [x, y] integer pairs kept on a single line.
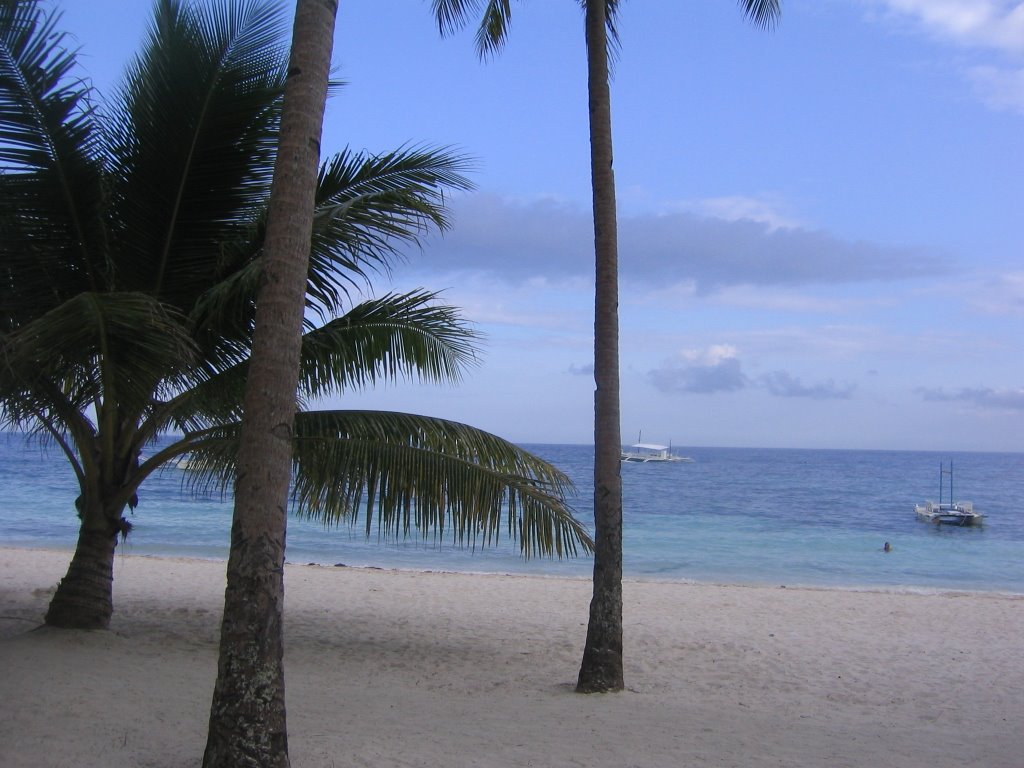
[[763, 13], [41, 107], [611, 13], [51, 150], [207, 457], [492, 31], [95, 348], [368, 205], [397, 335], [405, 472], [196, 135], [496, 19]]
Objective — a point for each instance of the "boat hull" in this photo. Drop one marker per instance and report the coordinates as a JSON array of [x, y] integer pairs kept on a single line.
[[632, 458], [960, 515]]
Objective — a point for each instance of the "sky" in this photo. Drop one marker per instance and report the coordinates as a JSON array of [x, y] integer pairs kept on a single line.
[[821, 226]]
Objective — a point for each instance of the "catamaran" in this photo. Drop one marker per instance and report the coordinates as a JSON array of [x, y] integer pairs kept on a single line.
[[949, 512]]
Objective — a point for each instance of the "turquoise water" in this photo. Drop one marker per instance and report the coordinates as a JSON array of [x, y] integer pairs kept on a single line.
[[734, 515]]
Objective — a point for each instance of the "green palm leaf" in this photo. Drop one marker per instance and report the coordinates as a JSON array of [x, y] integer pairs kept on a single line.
[[406, 472], [397, 335], [51, 193], [367, 205], [195, 139], [383, 339], [94, 348], [496, 19], [42, 107]]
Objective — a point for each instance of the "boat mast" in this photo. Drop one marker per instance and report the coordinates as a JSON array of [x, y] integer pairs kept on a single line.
[[944, 471]]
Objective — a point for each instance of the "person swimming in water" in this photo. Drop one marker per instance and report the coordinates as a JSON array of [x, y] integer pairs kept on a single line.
[[887, 547]]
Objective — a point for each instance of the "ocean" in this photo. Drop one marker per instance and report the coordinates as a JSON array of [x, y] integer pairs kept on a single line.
[[733, 515]]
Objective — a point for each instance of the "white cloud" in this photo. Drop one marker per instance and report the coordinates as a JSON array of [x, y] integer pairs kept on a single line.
[[993, 24], [989, 27], [700, 371], [712, 355], [739, 208]]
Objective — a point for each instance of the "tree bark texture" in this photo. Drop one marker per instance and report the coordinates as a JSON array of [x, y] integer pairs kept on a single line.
[[84, 597], [247, 716], [601, 668]]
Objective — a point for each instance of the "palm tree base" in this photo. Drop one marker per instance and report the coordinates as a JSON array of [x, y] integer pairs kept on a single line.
[[601, 671], [84, 597], [247, 718]]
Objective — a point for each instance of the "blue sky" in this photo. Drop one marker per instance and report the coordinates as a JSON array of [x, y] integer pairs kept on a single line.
[[821, 227]]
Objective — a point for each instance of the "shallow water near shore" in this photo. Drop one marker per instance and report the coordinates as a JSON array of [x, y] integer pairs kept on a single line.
[[733, 515]]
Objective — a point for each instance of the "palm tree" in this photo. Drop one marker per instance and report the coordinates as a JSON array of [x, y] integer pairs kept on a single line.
[[131, 249], [247, 716], [601, 668]]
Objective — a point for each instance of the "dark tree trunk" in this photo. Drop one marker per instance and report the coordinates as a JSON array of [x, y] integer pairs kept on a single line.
[[601, 668], [84, 597], [247, 716]]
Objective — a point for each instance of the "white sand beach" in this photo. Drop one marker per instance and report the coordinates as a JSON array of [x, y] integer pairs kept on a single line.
[[390, 669]]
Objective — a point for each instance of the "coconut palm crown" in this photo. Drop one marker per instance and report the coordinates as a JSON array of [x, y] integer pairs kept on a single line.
[[130, 250]]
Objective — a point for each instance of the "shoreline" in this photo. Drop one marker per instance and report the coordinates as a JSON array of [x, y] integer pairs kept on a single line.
[[394, 669], [896, 589]]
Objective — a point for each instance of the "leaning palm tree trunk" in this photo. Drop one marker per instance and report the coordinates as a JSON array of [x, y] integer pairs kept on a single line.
[[601, 668], [83, 599], [247, 717]]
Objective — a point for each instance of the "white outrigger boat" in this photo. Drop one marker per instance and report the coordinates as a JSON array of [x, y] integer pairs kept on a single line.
[[645, 453], [949, 512]]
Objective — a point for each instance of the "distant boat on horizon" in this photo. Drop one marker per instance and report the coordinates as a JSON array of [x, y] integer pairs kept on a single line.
[[645, 453]]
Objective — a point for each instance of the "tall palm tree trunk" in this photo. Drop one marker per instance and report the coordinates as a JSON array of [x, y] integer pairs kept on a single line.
[[84, 597], [601, 668], [247, 717]]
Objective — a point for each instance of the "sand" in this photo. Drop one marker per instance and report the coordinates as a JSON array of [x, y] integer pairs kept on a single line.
[[391, 668]]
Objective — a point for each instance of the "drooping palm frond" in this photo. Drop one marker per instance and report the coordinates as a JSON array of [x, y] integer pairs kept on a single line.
[[764, 13], [50, 167], [397, 335], [394, 336], [204, 402], [43, 108], [94, 348], [492, 32], [611, 14], [496, 19], [206, 456], [405, 472], [369, 205]]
